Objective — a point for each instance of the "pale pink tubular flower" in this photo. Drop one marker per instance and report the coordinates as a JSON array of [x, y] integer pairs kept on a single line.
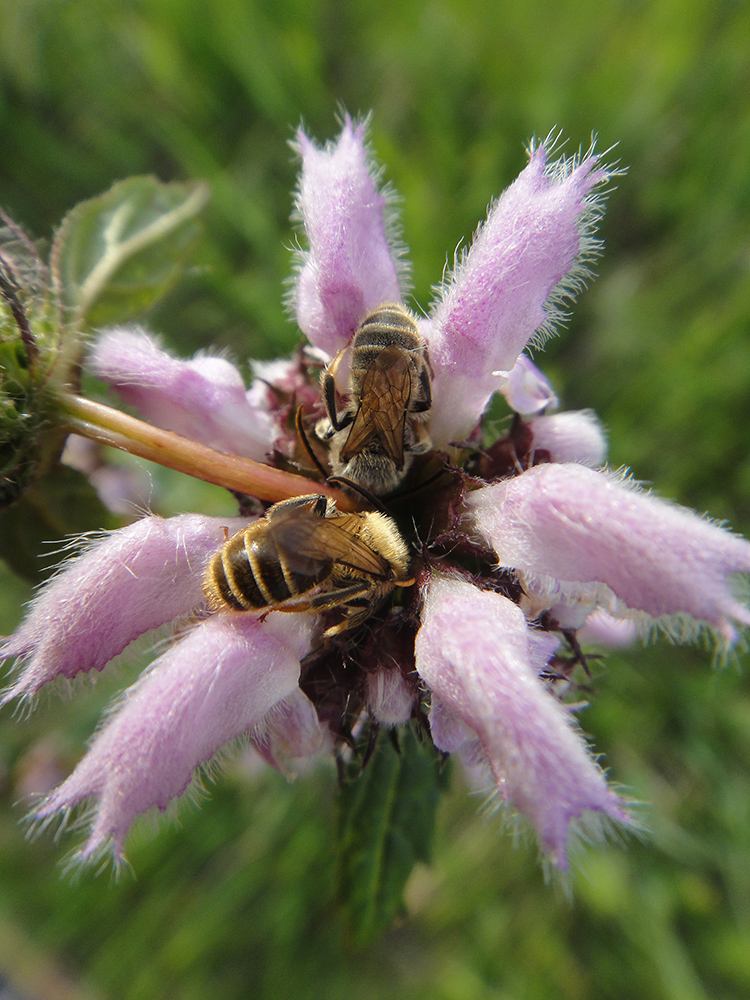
[[211, 686], [517, 544], [564, 527], [390, 699], [204, 399], [121, 585], [527, 390], [352, 264], [539, 762], [603, 629], [574, 436], [531, 254], [288, 733]]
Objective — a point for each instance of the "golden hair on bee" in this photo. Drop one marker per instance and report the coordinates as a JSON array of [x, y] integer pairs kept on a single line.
[[387, 373], [305, 555]]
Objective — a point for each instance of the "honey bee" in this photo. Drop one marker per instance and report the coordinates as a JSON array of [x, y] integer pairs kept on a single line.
[[305, 555], [373, 441]]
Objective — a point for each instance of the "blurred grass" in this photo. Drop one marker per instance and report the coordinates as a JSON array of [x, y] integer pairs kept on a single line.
[[236, 900]]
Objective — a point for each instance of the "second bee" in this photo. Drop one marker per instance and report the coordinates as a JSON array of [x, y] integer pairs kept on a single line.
[[373, 440]]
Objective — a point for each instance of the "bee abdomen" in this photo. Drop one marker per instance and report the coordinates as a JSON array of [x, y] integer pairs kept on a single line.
[[248, 573], [386, 326], [231, 578], [218, 589]]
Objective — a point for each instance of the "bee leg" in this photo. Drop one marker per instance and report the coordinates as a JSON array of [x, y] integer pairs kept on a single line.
[[315, 501], [423, 405], [320, 602], [353, 618], [302, 435], [419, 441], [329, 398], [336, 598], [363, 492]]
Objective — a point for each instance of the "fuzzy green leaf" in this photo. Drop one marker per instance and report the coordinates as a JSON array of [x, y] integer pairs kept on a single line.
[[114, 255], [386, 823]]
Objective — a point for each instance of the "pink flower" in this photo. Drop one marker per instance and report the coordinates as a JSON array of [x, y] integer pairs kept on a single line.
[[571, 532], [219, 681], [526, 737], [515, 543], [204, 399]]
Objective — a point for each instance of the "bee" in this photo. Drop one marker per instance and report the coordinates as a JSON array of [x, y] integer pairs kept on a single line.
[[373, 441], [305, 555]]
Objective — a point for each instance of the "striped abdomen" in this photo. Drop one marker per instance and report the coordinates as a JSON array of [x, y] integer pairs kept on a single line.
[[249, 572]]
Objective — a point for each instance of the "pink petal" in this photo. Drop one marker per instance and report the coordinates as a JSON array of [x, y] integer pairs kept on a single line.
[[449, 732], [220, 680], [527, 258], [390, 698], [122, 585], [289, 731], [203, 399], [351, 266], [568, 525], [527, 389], [473, 651], [121, 489], [576, 436], [604, 630]]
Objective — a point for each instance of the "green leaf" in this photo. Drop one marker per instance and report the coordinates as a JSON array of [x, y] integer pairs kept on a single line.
[[386, 823], [114, 255], [62, 503]]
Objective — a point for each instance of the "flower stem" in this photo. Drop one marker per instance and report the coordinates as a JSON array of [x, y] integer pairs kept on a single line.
[[118, 430]]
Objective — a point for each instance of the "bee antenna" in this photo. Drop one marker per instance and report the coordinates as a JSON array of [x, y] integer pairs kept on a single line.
[[365, 493], [420, 486], [302, 434]]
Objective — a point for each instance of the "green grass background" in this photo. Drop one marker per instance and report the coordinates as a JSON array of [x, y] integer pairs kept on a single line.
[[236, 900]]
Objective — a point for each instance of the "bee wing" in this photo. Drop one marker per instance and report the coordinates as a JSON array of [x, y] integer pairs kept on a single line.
[[385, 394], [308, 542]]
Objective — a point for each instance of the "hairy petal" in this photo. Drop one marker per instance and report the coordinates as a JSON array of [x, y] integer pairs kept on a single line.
[[474, 653], [573, 525], [576, 436], [132, 580], [289, 731], [351, 266], [121, 489], [390, 698], [604, 630], [527, 390], [527, 258], [203, 399], [217, 682], [449, 731]]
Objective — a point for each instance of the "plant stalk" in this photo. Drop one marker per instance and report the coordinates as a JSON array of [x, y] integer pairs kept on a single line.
[[119, 430]]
